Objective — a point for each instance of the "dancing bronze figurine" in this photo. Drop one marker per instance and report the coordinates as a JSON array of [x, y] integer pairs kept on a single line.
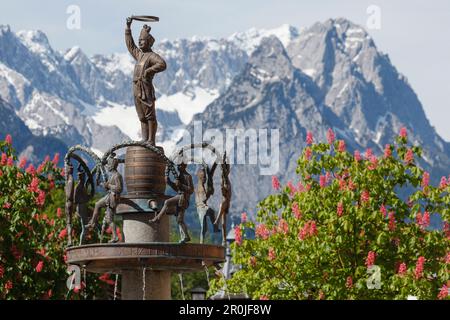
[[81, 199], [226, 198], [69, 205], [203, 192], [184, 187], [114, 186], [148, 64]]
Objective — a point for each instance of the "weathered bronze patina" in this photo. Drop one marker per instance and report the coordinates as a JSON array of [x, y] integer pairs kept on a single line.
[[81, 199], [156, 256], [204, 190], [148, 63], [226, 199], [184, 187], [114, 187]]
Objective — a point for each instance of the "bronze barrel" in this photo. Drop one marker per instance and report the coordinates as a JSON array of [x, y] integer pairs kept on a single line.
[[144, 173]]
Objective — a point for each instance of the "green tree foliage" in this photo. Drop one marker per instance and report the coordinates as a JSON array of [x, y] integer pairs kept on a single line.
[[33, 234], [346, 230]]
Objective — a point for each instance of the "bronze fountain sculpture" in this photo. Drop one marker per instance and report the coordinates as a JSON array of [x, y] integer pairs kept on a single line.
[[226, 199], [138, 199], [114, 186], [148, 64], [69, 191], [204, 190], [184, 187], [81, 199]]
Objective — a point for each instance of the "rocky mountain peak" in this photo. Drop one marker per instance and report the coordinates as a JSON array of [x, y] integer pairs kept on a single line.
[[4, 28], [115, 62], [335, 41], [271, 58], [35, 40], [249, 40]]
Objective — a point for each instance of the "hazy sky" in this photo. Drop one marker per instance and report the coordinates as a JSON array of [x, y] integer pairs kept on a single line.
[[414, 33]]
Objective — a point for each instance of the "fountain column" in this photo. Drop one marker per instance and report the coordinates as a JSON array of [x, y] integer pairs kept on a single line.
[[145, 180]]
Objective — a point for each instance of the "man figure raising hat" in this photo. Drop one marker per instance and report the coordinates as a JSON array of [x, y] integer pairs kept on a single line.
[[148, 64]]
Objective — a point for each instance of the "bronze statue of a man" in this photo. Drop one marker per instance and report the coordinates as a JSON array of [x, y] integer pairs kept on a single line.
[[114, 186], [203, 192], [226, 199], [81, 199], [184, 187], [69, 205], [148, 64]]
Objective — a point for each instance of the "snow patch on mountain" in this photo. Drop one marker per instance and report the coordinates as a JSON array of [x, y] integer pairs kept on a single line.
[[310, 72], [121, 116], [32, 124], [170, 144], [125, 118], [44, 104], [71, 53], [37, 42], [116, 62], [89, 109], [187, 103], [12, 76], [98, 152]]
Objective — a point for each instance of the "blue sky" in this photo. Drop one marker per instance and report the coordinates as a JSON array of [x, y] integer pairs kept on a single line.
[[414, 33]]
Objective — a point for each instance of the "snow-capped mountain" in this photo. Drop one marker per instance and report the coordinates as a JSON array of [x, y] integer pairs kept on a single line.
[[33, 148], [46, 92], [249, 40], [362, 88], [330, 76], [81, 96]]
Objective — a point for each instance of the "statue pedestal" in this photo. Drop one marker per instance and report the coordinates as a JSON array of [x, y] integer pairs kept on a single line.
[[137, 229], [144, 176]]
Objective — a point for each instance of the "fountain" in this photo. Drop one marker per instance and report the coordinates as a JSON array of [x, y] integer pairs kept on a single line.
[[146, 258]]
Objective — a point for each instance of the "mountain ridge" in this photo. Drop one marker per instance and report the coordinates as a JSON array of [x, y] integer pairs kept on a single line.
[[363, 115]]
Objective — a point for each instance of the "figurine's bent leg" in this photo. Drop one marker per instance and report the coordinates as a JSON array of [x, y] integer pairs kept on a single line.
[[222, 216], [169, 203], [212, 216], [83, 214], [183, 228], [102, 203]]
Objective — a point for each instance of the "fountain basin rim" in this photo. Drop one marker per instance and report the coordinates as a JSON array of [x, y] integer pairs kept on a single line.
[[163, 256]]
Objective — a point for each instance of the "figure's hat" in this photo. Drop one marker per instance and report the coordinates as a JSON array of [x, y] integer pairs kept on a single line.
[[145, 32]]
